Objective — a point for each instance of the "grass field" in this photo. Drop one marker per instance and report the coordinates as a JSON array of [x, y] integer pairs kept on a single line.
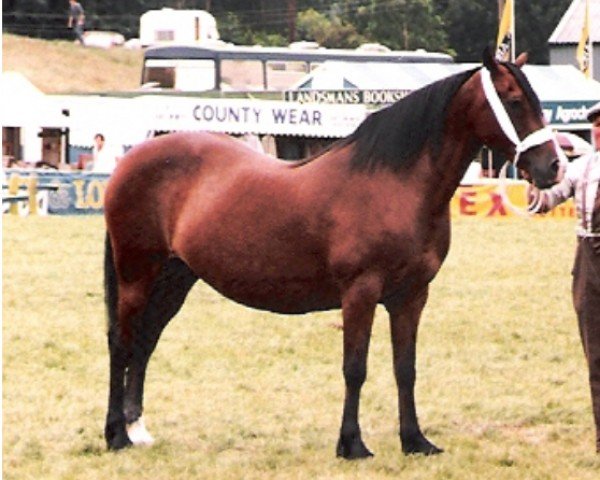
[[65, 67], [236, 393]]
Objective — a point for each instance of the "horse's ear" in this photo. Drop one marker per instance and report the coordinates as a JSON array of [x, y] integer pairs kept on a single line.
[[522, 59], [489, 61]]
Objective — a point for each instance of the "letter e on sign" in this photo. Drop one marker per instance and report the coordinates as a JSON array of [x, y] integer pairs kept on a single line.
[[467, 202]]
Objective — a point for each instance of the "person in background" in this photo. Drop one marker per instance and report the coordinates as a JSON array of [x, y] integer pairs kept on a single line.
[[104, 159], [76, 20], [581, 182]]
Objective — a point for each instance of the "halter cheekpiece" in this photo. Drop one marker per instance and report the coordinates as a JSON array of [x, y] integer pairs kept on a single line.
[[544, 134]]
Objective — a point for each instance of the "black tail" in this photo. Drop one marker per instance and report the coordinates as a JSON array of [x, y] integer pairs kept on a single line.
[[111, 292]]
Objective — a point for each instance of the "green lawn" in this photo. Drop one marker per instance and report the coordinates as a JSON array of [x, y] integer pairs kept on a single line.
[[237, 393]]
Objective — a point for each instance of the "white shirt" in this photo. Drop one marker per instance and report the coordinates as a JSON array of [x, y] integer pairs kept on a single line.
[[105, 160], [581, 181]]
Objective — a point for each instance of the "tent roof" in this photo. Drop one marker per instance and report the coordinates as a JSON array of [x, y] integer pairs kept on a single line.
[[561, 83], [551, 82], [335, 75], [25, 105], [15, 83], [114, 117], [569, 28]]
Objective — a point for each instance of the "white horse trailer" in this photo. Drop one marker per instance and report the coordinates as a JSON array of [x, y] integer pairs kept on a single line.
[[159, 27]]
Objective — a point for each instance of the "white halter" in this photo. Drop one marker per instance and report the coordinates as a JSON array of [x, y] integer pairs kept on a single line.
[[544, 134]]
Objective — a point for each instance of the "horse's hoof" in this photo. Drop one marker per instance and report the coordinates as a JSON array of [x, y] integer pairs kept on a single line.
[[352, 449], [420, 446], [117, 440], [119, 443]]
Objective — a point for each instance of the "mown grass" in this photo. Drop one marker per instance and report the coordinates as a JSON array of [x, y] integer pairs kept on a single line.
[[60, 66], [236, 393]]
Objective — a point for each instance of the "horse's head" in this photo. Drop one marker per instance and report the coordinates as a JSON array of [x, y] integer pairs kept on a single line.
[[512, 121]]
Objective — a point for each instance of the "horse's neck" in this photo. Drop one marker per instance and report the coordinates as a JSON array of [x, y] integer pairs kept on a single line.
[[459, 147]]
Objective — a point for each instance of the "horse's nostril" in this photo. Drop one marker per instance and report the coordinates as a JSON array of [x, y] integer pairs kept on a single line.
[[555, 166]]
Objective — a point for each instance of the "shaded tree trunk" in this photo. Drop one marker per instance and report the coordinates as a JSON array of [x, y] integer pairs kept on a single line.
[[292, 11]]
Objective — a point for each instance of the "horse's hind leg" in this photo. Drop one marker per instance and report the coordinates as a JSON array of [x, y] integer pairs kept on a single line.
[[404, 322], [167, 297], [126, 300], [114, 430]]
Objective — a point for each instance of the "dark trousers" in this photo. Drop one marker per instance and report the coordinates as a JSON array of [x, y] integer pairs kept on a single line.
[[586, 300], [78, 31]]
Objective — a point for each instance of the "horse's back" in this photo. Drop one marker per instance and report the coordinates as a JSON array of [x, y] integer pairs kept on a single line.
[[158, 174]]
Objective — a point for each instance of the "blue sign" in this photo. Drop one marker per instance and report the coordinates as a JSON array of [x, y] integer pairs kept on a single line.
[[78, 193], [567, 113]]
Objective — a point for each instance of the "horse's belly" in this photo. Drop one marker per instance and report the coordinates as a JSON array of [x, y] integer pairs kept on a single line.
[[280, 295], [265, 275]]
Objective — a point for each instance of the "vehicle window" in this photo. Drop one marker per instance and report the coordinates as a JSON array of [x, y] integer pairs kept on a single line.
[[282, 75], [242, 75]]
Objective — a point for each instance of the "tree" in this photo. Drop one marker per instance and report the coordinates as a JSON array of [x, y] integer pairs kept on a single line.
[[470, 26], [328, 32], [473, 24], [399, 24]]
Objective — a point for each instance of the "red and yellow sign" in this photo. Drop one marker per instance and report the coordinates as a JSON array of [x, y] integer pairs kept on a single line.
[[486, 201]]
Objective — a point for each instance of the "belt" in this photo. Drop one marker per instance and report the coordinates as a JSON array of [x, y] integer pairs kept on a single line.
[[581, 233]]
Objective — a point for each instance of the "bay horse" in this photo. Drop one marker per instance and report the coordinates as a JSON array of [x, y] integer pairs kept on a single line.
[[364, 223]]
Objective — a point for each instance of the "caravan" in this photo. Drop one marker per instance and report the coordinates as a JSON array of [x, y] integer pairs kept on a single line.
[[165, 26]]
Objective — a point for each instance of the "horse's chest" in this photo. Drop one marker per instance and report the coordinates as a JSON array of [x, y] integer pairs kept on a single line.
[[416, 254]]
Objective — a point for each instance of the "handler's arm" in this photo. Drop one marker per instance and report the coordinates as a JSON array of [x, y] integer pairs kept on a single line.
[[562, 191]]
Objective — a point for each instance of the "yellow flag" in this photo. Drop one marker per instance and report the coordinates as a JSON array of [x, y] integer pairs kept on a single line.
[[584, 47], [506, 34]]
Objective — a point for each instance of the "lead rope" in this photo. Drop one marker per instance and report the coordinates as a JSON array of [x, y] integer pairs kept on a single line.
[[543, 135]]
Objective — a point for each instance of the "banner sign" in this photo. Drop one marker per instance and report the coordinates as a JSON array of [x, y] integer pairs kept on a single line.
[[81, 193], [506, 34], [567, 113], [239, 116], [346, 97], [78, 193], [485, 201]]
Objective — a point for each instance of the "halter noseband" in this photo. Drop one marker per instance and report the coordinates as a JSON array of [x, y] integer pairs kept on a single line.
[[543, 135]]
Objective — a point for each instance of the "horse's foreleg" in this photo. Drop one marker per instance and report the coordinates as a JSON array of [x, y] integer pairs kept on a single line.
[[358, 308], [404, 322], [168, 295]]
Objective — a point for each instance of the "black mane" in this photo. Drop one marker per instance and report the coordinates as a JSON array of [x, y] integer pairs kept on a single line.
[[394, 136]]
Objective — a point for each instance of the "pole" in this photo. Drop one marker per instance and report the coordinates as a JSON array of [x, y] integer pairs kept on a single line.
[[590, 43], [513, 32]]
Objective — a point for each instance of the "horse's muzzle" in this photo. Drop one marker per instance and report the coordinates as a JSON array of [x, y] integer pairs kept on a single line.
[[545, 177]]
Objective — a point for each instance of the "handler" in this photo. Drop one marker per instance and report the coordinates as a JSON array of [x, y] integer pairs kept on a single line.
[[581, 181]]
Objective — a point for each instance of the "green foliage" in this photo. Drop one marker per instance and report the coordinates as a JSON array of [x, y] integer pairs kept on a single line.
[[470, 25], [402, 24], [328, 32]]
